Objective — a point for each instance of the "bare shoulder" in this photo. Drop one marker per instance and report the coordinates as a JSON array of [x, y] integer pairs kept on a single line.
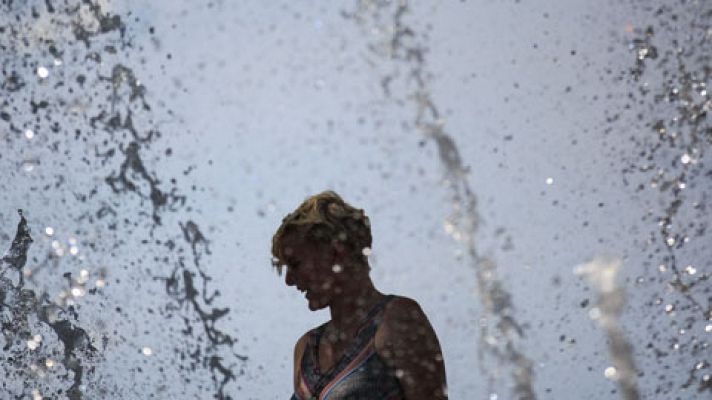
[[300, 345], [298, 352], [404, 306], [407, 343], [402, 314]]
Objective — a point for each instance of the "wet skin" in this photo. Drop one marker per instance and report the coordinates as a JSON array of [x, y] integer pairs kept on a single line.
[[405, 340]]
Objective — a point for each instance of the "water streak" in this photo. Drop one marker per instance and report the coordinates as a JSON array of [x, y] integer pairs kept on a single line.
[[602, 273], [403, 47]]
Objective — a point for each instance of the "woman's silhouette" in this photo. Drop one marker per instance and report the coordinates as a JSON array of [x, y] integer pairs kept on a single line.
[[375, 346]]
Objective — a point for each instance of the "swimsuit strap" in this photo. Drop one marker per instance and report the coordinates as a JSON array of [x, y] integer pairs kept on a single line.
[[363, 336]]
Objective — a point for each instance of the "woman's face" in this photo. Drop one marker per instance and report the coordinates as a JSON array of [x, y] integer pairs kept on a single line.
[[313, 269]]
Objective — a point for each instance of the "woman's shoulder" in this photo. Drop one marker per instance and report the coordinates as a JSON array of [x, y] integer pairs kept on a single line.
[[402, 308], [400, 316], [304, 340]]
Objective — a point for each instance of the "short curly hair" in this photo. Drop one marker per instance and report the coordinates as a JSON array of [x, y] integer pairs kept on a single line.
[[325, 218]]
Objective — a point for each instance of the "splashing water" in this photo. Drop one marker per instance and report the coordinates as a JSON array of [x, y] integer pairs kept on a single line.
[[90, 105], [28, 318], [672, 52]]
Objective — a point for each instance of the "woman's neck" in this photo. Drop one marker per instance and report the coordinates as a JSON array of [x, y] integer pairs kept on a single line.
[[349, 310]]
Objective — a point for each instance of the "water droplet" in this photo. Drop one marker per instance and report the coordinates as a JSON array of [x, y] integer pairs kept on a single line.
[[337, 268], [42, 72], [147, 351], [611, 373], [28, 165], [549, 181], [594, 313], [49, 231], [29, 133]]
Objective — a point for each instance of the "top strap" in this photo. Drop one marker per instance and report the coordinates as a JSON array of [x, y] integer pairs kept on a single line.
[[363, 336]]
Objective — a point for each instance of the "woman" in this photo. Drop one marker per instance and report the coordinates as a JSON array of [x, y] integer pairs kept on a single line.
[[375, 346]]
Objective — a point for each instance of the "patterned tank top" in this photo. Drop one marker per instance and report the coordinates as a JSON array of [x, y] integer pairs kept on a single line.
[[360, 374]]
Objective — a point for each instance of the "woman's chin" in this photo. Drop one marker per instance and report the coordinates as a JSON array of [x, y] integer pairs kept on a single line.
[[315, 304]]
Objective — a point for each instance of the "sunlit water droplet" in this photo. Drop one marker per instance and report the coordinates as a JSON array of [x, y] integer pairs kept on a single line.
[[29, 134], [147, 351], [42, 72], [29, 165], [610, 373], [594, 313]]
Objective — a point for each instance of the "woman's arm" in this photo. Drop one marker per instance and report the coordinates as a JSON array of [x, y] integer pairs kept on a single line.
[[407, 343], [298, 352]]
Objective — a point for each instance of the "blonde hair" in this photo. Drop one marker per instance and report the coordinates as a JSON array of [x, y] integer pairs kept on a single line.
[[325, 218]]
